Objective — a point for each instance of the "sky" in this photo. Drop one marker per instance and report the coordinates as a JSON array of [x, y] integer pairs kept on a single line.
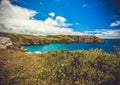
[[52, 17]]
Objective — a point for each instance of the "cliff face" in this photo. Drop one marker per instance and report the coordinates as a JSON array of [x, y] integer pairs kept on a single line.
[[5, 42], [89, 39], [19, 40]]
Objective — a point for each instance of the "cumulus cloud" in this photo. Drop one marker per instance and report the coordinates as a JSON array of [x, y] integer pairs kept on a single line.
[[114, 24], [60, 19], [58, 22], [104, 33], [52, 14], [21, 20]]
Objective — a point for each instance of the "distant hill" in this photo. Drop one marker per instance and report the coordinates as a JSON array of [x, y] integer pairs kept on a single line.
[[19, 40]]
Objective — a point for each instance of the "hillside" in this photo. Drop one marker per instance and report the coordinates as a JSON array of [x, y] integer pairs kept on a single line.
[[21, 39], [92, 67]]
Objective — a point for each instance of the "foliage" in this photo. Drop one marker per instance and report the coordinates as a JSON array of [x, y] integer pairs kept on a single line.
[[92, 67]]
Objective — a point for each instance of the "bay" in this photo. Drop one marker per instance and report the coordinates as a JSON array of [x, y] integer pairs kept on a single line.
[[109, 46]]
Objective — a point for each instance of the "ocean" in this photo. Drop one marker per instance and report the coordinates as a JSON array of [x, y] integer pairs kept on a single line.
[[109, 46]]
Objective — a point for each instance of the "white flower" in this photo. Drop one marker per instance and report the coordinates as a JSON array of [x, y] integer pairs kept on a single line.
[[62, 64]]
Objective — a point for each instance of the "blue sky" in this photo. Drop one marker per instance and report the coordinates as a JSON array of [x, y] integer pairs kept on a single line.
[[90, 14], [85, 16]]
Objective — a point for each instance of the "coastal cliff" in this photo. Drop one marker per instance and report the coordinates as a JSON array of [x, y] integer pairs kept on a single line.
[[19, 40]]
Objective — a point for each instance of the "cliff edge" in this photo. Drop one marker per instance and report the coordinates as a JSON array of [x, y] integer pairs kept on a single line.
[[19, 40]]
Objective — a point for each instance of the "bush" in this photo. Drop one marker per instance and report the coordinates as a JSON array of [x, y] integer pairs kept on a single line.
[[92, 67]]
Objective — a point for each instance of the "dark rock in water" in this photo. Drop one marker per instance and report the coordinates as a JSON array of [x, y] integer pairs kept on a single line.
[[5, 42]]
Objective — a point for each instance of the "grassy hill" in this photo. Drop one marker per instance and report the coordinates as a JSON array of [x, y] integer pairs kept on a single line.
[[22, 39]]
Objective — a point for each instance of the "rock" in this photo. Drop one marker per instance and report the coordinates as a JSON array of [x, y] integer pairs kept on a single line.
[[33, 42], [28, 52], [5, 42], [89, 39], [37, 52]]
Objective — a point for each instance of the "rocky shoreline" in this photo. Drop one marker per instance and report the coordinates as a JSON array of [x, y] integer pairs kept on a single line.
[[19, 40]]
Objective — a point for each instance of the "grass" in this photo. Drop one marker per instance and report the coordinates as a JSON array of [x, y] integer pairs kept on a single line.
[[92, 67]]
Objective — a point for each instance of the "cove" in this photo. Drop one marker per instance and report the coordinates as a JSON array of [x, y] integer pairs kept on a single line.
[[109, 46]]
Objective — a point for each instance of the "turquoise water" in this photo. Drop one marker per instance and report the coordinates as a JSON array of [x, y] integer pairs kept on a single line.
[[108, 46]]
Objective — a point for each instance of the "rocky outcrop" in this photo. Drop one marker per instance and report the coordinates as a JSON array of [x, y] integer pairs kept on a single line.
[[5, 42], [89, 39]]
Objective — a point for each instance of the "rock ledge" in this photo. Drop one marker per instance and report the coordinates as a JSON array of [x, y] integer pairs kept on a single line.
[[5, 42]]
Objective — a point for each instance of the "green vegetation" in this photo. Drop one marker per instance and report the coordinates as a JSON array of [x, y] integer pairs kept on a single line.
[[22, 39], [92, 67]]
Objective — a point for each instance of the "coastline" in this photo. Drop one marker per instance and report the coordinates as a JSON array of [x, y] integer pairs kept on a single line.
[[19, 40]]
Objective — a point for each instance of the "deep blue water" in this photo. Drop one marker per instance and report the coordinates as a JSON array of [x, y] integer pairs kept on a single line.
[[109, 46]]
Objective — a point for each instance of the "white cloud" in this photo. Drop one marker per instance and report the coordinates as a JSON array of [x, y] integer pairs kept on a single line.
[[112, 33], [114, 24], [60, 19], [58, 22], [21, 20], [52, 14], [104, 33], [9, 11]]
